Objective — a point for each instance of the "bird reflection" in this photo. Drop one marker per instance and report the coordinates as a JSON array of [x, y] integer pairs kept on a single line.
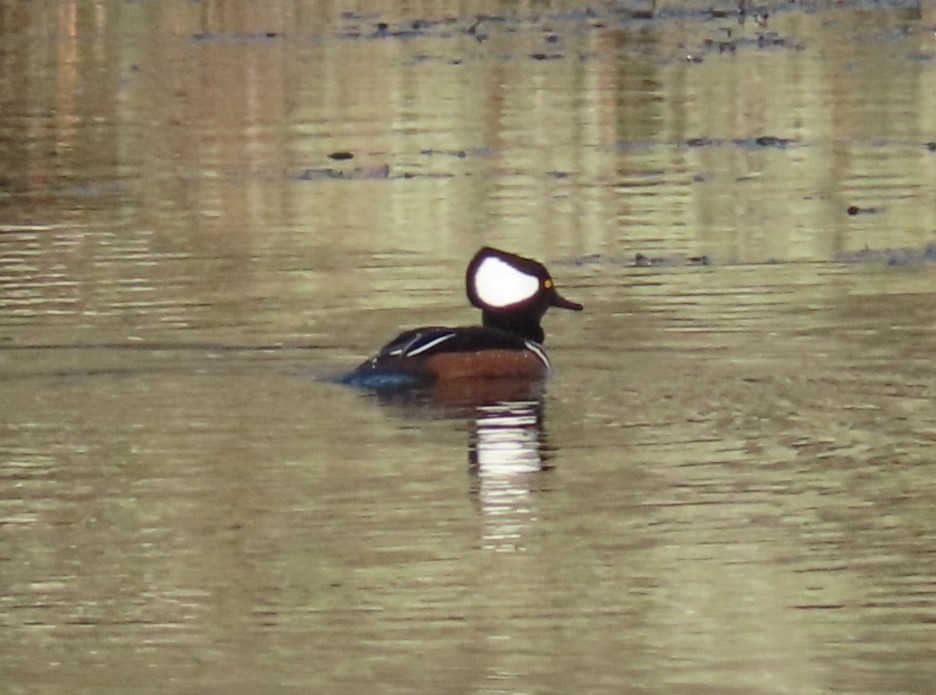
[[506, 439], [506, 449], [507, 446]]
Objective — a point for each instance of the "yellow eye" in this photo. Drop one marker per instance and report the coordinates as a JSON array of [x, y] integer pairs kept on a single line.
[[547, 284]]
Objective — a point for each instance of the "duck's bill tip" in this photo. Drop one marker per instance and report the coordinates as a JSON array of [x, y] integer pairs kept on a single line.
[[563, 303]]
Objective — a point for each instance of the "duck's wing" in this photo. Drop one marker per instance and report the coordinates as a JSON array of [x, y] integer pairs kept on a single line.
[[418, 341]]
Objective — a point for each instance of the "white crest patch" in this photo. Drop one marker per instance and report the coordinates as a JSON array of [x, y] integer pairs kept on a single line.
[[499, 284]]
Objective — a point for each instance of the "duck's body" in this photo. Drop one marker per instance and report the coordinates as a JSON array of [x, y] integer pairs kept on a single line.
[[513, 293], [435, 352]]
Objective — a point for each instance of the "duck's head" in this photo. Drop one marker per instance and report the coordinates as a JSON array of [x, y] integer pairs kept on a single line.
[[513, 292]]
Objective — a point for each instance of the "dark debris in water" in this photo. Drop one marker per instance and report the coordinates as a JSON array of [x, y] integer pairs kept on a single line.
[[758, 141], [357, 174], [642, 261], [430, 175], [771, 141], [893, 257], [242, 37], [362, 27], [702, 142], [383, 171], [638, 260], [734, 25], [460, 154], [480, 28], [855, 210], [374, 173]]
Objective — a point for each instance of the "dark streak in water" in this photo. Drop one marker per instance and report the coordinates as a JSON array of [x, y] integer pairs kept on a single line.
[[206, 36], [892, 257], [479, 28], [358, 173], [751, 142], [460, 154], [855, 210]]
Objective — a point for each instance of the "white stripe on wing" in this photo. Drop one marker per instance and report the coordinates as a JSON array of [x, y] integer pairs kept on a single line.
[[411, 351]]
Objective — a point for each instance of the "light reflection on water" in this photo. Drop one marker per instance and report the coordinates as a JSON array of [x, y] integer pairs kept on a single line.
[[725, 487], [506, 450]]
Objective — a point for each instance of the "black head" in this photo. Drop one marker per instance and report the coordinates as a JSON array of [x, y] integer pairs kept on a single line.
[[512, 292]]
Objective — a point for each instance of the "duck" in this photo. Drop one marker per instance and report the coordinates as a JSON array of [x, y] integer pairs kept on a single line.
[[513, 293]]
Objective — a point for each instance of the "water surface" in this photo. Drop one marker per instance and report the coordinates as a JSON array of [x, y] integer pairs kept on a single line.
[[209, 210]]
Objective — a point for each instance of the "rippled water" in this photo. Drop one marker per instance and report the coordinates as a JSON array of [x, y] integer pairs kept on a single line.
[[208, 210]]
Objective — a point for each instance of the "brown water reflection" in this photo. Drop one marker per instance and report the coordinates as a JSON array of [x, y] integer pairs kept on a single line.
[[726, 486]]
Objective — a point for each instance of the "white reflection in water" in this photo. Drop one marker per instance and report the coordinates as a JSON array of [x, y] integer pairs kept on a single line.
[[506, 451]]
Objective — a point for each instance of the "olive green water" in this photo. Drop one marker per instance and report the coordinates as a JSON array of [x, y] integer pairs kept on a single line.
[[727, 486]]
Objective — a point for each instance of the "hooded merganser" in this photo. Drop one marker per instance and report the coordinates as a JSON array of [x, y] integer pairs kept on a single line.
[[513, 294]]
